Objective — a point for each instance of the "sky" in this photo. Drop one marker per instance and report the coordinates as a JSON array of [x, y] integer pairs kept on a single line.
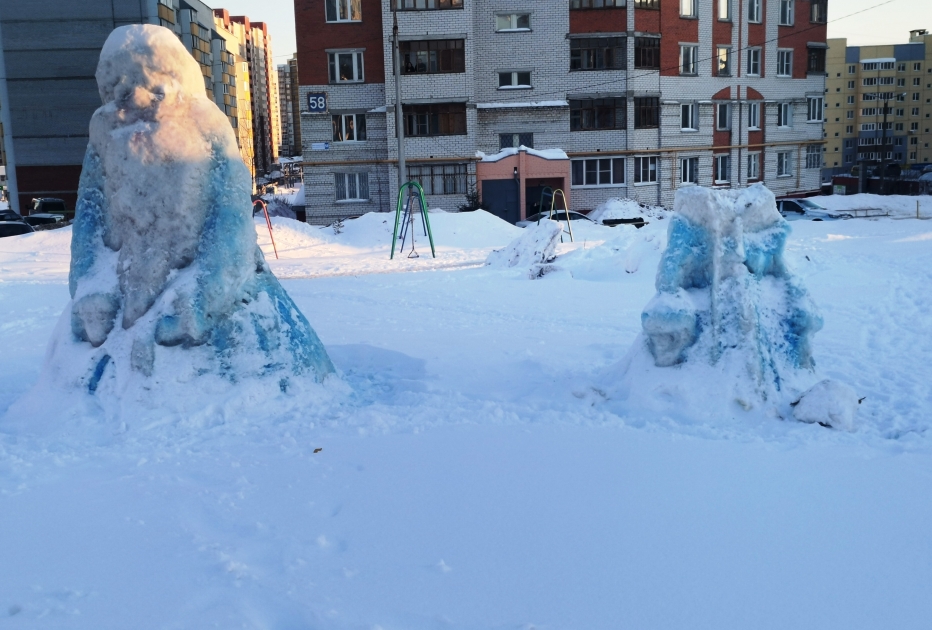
[[888, 23]]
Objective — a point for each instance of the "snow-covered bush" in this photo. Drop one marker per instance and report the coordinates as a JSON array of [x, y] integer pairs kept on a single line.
[[167, 281], [531, 251]]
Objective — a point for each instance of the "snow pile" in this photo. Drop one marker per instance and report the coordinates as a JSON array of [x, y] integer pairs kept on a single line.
[[729, 323], [830, 404], [533, 249], [169, 289], [624, 209]]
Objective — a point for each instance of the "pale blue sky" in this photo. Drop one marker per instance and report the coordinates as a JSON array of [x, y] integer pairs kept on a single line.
[[886, 24]]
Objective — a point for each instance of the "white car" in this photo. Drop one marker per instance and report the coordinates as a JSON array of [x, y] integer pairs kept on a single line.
[[805, 208]]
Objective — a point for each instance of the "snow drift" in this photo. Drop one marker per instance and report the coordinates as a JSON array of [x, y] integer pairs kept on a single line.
[[167, 282], [730, 324]]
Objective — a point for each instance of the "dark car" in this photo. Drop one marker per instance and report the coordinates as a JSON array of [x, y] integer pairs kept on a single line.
[[558, 215], [809, 209], [9, 215], [14, 228], [44, 218], [48, 205]]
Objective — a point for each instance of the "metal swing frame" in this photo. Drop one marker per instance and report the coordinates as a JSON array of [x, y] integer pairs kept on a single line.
[[553, 201], [415, 191]]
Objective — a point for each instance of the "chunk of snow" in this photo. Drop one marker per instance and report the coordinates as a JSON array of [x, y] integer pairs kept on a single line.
[[536, 246], [829, 403]]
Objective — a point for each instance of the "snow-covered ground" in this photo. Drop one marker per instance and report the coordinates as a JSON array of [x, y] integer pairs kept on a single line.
[[475, 477]]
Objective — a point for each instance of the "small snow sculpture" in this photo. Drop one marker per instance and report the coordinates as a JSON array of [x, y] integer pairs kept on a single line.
[[829, 403], [164, 250], [533, 250]]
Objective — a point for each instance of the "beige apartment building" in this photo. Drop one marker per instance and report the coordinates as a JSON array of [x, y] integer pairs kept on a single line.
[[878, 104]]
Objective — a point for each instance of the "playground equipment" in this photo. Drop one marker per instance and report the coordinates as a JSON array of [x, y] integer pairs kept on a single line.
[[414, 193], [268, 222], [552, 194]]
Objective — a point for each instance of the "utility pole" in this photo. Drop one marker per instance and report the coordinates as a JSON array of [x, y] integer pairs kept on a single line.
[[399, 117]]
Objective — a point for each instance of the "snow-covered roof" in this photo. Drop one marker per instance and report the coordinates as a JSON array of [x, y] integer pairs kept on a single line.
[[546, 154], [880, 60], [504, 105]]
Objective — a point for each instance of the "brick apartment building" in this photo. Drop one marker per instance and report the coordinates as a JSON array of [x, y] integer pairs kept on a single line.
[[644, 96], [863, 81]]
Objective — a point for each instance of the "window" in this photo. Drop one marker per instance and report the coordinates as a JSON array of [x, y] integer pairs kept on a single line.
[[868, 126], [351, 186], [816, 60], [901, 67], [914, 111], [754, 10], [646, 112], [871, 65], [915, 96], [598, 53], [754, 116], [723, 61], [645, 170], [784, 114], [898, 127], [917, 67], [723, 116], [512, 22], [515, 140], [814, 156], [724, 9], [917, 81], [815, 109], [885, 81], [596, 4], [345, 67], [869, 81], [344, 10], [849, 144], [427, 5], [599, 113], [852, 69], [514, 80], [436, 56], [786, 13], [850, 100], [914, 126], [722, 169], [688, 57], [886, 65], [688, 8], [440, 119], [754, 62], [850, 85], [689, 117], [598, 172], [349, 127], [647, 53], [818, 11], [441, 179], [754, 166], [784, 164], [646, 4], [849, 114], [901, 83], [849, 129], [784, 63], [689, 170]]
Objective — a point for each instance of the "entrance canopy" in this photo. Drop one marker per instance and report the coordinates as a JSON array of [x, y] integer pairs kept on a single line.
[[510, 181]]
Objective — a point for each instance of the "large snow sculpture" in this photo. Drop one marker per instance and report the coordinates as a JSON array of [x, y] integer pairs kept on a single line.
[[164, 259], [729, 323]]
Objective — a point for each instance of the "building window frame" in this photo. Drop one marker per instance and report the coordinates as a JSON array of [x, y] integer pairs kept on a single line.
[[689, 116], [523, 139], [754, 11], [724, 10], [723, 116], [435, 119], [815, 106], [595, 114], [351, 187], [345, 125], [689, 59], [688, 8], [754, 166], [754, 116], [589, 54], [335, 65], [517, 22], [645, 170], [815, 60], [646, 112], [337, 11], [440, 179], [433, 56], [723, 61], [598, 173], [785, 63], [784, 163], [647, 53], [814, 156], [754, 65], [722, 169], [426, 5], [818, 11], [515, 80], [689, 170], [596, 4], [787, 13], [785, 115]]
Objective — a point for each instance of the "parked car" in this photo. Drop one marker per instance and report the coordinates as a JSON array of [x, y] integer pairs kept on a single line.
[[48, 205], [44, 218], [9, 215], [14, 228], [806, 208], [558, 215]]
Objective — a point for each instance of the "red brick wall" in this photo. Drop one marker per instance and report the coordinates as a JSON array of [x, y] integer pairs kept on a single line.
[[48, 181], [757, 36], [647, 20], [598, 20], [796, 36], [315, 35], [721, 36], [675, 30]]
